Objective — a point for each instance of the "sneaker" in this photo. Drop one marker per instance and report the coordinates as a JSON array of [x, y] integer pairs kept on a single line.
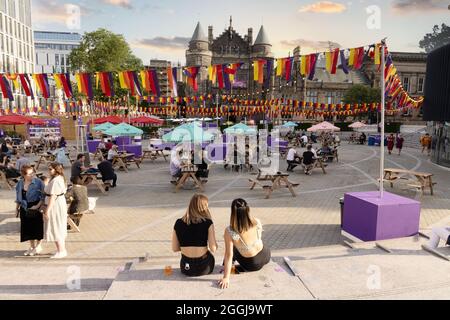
[[36, 250], [59, 255], [28, 252]]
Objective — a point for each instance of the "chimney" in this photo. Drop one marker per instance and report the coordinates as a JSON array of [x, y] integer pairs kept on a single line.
[[210, 34], [250, 35]]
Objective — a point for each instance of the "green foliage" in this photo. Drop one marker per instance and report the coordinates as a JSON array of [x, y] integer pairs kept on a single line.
[[102, 50], [392, 127], [437, 39], [361, 94]]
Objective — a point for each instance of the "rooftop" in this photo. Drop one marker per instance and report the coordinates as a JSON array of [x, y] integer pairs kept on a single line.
[[56, 36]]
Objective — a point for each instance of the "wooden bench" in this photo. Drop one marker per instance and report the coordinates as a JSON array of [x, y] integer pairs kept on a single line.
[[423, 180], [5, 181]]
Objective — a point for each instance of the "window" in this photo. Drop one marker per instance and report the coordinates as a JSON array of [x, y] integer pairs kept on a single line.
[[1, 20], [406, 83], [57, 59], [62, 60], [47, 60], [37, 60], [420, 85]]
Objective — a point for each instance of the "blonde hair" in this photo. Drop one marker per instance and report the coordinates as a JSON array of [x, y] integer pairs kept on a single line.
[[198, 210]]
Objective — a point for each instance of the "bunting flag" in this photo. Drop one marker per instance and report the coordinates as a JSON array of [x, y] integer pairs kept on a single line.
[[328, 59], [62, 82], [106, 83], [303, 65], [288, 67], [344, 62], [280, 66], [41, 80], [269, 69], [84, 82], [135, 81], [219, 72], [334, 61], [15, 80], [351, 59], [359, 58], [191, 74], [377, 57], [6, 88], [154, 83], [311, 64], [212, 73], [26, 85], [258, 71], [232, 70], [172, 79]]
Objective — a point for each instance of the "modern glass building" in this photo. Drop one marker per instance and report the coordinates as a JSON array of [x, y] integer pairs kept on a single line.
[[16, 42], [53, 49]]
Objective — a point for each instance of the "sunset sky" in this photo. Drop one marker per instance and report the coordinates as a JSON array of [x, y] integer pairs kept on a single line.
[[161, 29]]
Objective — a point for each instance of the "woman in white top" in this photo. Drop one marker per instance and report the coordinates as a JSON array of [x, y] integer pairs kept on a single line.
[[55, 215], [243, 242]]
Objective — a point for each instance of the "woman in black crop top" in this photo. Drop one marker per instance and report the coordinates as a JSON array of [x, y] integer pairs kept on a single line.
[[194, 236]]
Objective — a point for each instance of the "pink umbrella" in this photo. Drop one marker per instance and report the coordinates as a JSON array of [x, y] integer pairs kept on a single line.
[[323, 126], [357, 125]]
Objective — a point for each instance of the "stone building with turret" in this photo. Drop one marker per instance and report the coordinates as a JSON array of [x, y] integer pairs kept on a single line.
[[227, 47]]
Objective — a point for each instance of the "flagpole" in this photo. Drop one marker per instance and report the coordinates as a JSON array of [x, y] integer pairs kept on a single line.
[[383, 62]]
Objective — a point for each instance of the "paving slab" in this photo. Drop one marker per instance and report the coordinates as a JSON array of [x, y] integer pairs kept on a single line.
[[150, 282]]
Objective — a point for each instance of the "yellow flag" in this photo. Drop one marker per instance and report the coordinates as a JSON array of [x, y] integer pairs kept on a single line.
[[255, 70], [78, 80], [351, 59], [378, 54], [328, 57], [280, 63], [122, 82], [212, 73], [303, 66], [97, 79], [143, 78], [57, 81]]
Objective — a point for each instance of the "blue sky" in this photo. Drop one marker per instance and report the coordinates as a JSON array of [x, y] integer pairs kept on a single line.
[[161, 29]]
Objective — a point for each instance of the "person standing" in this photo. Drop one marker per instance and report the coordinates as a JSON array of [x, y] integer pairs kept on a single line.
[[390, 142], [55, 214], [425, 141], [399, 143], [29, 198]]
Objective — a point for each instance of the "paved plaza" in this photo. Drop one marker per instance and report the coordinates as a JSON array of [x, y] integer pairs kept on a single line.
[[123, 248]]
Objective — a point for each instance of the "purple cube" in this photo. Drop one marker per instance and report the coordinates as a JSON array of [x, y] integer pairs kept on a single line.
[[368, 217]]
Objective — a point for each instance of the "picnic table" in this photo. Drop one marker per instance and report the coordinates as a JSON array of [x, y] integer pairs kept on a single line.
[[270, 182], [188, 173], [88, 177], [153, 154], [318, 163], [45, 158], [423, 180], [122, 160]]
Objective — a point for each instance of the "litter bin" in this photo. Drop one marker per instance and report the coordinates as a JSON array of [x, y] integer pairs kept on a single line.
[[341, 202], [371, 141]]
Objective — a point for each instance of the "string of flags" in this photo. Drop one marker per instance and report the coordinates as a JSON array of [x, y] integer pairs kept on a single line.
[[144, 83]]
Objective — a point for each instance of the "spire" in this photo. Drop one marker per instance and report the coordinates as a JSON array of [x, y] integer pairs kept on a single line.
[[262, 37], [231, 22], [199, 35]]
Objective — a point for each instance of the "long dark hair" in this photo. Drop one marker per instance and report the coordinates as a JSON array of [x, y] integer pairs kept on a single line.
[[240, 220], [59, 170]]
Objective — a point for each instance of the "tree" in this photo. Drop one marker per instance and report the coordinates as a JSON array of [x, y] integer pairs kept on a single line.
[[102, 50], [361, 94], [437, 39]]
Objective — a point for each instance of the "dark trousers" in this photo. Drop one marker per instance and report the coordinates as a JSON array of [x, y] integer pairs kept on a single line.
[[292, 164], [254, 263], [194, 267], [114, 179]]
